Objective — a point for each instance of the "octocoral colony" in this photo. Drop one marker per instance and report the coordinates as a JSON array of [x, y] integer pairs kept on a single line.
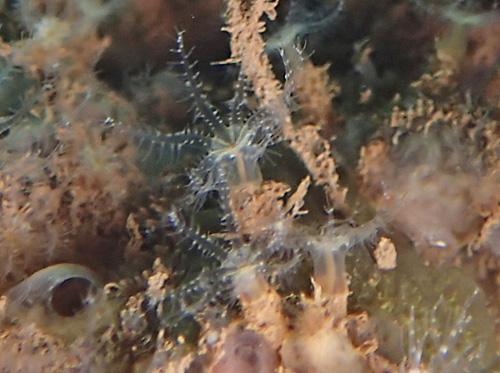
[[249, 186]]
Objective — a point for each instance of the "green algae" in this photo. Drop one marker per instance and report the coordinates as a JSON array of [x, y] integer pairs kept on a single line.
[[435, 316]]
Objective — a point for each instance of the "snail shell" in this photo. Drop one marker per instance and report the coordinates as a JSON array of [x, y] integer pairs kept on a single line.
[[64, 299]]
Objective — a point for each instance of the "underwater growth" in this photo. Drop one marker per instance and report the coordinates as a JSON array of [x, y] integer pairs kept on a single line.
[[249, 185]]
